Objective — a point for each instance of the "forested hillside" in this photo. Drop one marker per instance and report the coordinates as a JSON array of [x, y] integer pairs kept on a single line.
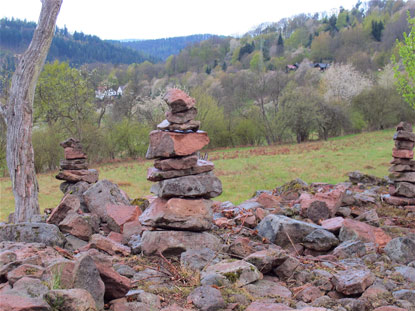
[[163, 48], [76, 48], [307, 77]]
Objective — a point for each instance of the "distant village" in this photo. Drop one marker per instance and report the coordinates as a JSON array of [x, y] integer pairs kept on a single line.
[[102, 92]]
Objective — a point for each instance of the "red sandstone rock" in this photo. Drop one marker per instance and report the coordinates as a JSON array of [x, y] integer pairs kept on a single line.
[[399, 201], [153, 174], [116, 285], [406, 176], [404, 144], [352, 281], [333, 200], [171, 144], [181, 163], [131, 228], [90, 176], [69, 203], [178, 100], [268, 201], [191, 125], [389, 308], [402, 153], [74, 153], [267, 306], [77, 225], [404, 135], [116, 237], [352, 229], [122, 214], [24, 270], [107, 245], [20, 303], [181, 117], [332, 224], [185, 214]]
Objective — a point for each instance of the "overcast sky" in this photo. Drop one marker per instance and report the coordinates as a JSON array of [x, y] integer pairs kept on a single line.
[[152, 19]]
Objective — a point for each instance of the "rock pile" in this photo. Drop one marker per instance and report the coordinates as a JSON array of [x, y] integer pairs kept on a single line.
[[75, 166], [185, 184], [403, 167]]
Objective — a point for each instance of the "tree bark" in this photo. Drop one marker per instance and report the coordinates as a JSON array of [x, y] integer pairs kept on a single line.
[[18, 114]]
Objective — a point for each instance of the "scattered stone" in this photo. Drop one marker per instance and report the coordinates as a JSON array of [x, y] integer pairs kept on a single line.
[[332, 224], [104, 192], [277, 229], [352, 230], [352, 281], [357, 177], [134, 242], [86, 276], [320, 240], [77, 225], [287, 268], [238, 272], [268, 289], [198, 259], [405, 294], [309, 294], [47, 234], [318, 211], [107, 245], [268, 259], [206, 298], [124, 270], [25, 270], [75, 299], [268, 306], [401, 249], [119, 214], [350, 248], [19, 303], [173, 243], [69, 203]]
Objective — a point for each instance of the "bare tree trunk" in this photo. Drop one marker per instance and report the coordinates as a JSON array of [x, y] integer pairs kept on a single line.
[[18, 114]]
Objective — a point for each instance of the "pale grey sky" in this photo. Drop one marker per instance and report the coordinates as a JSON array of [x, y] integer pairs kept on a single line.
[[151, 19]]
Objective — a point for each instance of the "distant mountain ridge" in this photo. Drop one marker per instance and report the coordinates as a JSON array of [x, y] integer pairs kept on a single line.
[[163, 48], [77, 48]]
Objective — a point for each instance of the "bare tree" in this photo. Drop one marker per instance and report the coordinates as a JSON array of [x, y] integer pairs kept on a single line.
[[18, 114]]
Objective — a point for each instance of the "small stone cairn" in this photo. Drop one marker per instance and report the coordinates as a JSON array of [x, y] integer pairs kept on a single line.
[[402, 192], [185, 183], [75, 166]]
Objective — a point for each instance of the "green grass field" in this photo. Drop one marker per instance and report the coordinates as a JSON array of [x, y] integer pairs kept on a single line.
[[244, 170]]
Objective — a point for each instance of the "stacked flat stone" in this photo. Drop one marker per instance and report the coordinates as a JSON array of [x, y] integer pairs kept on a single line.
[[75, 166], [403, 167], [185, 184]]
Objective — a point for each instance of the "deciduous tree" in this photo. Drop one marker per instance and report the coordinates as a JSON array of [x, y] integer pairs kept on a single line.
[[18, 114]]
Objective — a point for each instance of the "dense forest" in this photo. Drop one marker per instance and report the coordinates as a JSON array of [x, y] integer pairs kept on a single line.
[[76, 48], [307, 77], [163, 48]]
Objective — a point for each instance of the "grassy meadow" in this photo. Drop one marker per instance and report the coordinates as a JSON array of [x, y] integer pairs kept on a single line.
[[244, 170]]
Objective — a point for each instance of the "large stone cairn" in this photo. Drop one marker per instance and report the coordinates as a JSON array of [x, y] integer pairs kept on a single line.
[[403, 167], [185, 183], [75, 166]]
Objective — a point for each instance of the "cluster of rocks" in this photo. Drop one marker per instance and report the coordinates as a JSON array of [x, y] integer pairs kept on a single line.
[[403, 167], [310, 247], [185, 183], [74, 168]]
